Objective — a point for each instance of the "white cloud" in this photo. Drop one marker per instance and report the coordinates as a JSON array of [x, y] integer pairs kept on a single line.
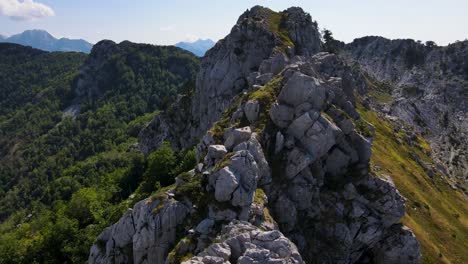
[[24, 9]]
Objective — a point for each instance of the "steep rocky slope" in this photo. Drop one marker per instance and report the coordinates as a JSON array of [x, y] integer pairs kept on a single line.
[[231, 66], [284, 155], [427, 88]]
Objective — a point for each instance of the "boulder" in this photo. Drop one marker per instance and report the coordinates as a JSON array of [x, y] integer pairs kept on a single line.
[[297, 161], [255, 149], [237, 181], [301, 88], [337, 162], [205, 226], [226, 183], [236, 136], [251, 109], [399, 246], [281, 115], [301, 124], [216, 152]]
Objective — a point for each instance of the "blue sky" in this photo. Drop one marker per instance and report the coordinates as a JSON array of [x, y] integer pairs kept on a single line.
[[170, 21]]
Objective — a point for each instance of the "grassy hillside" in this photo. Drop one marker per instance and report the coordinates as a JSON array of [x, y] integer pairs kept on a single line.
[[437, 214]]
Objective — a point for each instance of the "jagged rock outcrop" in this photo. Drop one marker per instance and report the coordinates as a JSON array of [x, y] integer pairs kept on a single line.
[[258, 35], [243, 243], [255, 46], [145, 234], [428, 90], [284, 172]]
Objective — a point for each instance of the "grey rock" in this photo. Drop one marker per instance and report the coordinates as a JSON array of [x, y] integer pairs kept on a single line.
[[141, 235], [287, 220], [399, 246], [281, 115], [216, 152], [337, 162], [221, 215], [419, 92], [205, 226], [226, 183], [300, 125], [237, 136], [301, 88], [227, 66], [279, 142], [245, 243], [251, 109], [263, 79], [301, 194], [297, 161], [274, 64], [221, 250], [237, 181], [255, 149]]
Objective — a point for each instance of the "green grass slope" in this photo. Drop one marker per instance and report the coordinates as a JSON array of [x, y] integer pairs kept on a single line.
[[437, 214]]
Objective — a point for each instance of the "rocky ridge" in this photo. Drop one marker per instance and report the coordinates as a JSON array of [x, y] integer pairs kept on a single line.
[[426, 88], [279, 133], [231, 65]]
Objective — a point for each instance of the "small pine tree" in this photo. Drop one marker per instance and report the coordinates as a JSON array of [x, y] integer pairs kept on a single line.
[[330, 43]]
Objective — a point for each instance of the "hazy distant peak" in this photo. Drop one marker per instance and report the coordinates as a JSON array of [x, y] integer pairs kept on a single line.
[[41, 39], [198, 47]]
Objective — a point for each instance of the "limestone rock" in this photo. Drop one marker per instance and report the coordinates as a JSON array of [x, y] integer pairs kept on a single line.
[[237, 181], [255, 149], [399, 246], [241, 242], [226, 183], [237, 136], [215, 152], [252, 109], [281, 115], [205, 226], [301, 88], [418, 92], [141, 236]]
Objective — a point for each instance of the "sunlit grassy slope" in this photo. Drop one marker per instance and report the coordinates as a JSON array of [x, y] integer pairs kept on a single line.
[[437, 214]]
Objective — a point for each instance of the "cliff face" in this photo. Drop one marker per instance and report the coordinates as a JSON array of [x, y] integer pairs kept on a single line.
[[284, 162], [261, 38], [427, 89]]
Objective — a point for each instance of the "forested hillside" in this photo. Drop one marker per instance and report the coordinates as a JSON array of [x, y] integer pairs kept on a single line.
[[65, 175]]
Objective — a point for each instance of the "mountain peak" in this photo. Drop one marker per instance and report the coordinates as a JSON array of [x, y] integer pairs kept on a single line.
[[198, 47], [41, 39], [37, 31]]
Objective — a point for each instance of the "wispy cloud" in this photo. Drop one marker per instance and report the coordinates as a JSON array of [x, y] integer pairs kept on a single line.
[[24, 9]]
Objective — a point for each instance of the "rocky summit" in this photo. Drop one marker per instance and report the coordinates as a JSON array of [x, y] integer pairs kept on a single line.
[[283, 172]]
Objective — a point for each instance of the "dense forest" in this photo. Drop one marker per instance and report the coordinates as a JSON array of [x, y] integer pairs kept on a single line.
[[66, 176]]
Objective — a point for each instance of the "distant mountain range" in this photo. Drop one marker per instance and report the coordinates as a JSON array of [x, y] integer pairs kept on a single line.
[[41, 39], [199, 47]]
